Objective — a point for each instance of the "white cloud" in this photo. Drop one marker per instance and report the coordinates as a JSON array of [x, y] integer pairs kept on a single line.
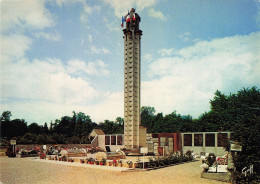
[[187, 81], [42, 90], [185, 37], [43, 80], [48, 36], [156, 14], [87, 9], [95, 50], [166, 52], [122, 7], [147, 58], [15, 46], [24, 14], [94, 68]]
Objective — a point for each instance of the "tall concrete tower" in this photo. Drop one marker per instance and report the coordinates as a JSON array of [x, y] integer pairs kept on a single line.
[[132, 39]]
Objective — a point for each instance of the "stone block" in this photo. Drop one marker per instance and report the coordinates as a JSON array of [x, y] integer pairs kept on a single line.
[[212, 169], [222, 169]]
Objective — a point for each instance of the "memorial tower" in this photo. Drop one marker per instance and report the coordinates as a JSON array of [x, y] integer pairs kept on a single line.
[[132, 39]]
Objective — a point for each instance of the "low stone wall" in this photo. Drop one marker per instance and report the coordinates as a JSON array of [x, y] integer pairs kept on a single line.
[[32, 146]]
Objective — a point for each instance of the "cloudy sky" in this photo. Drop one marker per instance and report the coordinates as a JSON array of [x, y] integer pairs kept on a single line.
[[59, 56]]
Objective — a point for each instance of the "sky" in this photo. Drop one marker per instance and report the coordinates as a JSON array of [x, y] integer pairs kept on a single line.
[[59, 56]]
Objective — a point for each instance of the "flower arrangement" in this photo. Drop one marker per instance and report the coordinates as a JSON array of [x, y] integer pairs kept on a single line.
[[110, 163], [90, 160], [82, 161], [120, 163], [64, 158], [42, 156], [103, 161], [115, 162], [129, 163]]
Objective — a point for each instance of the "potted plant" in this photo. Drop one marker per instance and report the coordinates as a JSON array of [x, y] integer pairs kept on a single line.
[[120, 163], [91, 160], [82, 161], [64, 158], [129, 163], [71, 160], [114, 162], [42, 156], [110, 163], [97, 162], [103, 161]]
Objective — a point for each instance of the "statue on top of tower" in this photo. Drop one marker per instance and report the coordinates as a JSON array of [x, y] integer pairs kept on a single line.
[[132, 20]]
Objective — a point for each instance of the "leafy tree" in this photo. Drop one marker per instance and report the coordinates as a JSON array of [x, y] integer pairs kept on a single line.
[[120, 121], [13, 128], [34, 128], [6, 116], [159, 125], [45, 129], [28, 138], [83, 124], [111, 127], [65, 126], [51, 127], [150, 110], [244, 108], [240, 114], [148, 117]]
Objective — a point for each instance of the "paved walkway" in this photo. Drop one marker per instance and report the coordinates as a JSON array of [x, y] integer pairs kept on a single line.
[[29, 171]]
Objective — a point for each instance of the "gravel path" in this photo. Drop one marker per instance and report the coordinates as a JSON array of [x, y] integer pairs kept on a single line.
[[27, 171]]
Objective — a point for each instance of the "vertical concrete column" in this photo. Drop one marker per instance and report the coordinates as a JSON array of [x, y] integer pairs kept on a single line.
[[132, 118]]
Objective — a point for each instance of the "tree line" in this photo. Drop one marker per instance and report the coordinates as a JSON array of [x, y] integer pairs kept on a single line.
[[238, 113], [68, 129], [223, 116]]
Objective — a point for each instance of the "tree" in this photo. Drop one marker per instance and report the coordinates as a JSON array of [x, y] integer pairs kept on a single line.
[[240, 114], [150, 110], [159, 125], [147, 117], [45, 129], [6, 116], [34, 128], [83, 124], [13, 128], [244, 108], [65, 126], [120, 121]]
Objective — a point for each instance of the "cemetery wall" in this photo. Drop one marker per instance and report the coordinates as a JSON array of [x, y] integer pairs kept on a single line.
[[205, 142]]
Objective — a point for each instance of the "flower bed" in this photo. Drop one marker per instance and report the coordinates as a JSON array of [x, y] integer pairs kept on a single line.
[[157, 162]]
